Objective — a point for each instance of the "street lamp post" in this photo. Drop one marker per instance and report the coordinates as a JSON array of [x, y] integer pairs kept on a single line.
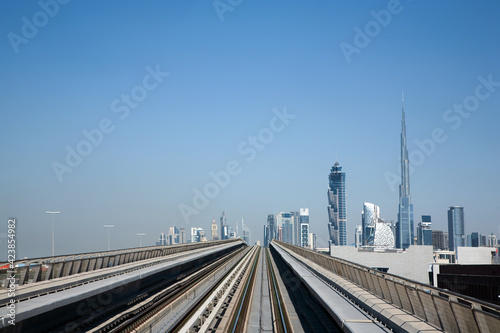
[[52, 213], [140, 234], [109, 226]]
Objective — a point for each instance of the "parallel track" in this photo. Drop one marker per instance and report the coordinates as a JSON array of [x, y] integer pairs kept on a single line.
[[281, 321], [130, 320]]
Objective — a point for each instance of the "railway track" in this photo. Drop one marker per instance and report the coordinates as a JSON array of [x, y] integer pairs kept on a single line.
[[185, 294], [281, 321]]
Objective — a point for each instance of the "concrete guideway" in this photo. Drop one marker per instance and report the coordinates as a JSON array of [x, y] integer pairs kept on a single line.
[[47, 268], [66, 305], [347, 315], [399, 303]]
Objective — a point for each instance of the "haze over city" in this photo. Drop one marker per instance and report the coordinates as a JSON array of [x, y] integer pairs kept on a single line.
[[122, 113]]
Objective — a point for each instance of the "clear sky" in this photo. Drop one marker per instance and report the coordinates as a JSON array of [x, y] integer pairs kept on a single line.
[[154, 96]]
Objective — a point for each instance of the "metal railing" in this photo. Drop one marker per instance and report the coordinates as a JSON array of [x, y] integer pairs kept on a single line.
[[43, 269], [447, 310]]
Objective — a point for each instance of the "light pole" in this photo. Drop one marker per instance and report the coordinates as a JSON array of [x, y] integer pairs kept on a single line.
[[109, 226], [52, 213], [140, 234]]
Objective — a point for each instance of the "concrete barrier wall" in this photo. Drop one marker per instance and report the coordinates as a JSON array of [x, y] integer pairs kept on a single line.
[[450, 311]]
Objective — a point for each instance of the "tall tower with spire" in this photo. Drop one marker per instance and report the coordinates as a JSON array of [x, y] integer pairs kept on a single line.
[[404, 226], [337, 226]]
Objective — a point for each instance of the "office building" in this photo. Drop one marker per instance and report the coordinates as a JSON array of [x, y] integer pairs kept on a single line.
[[269, 230], [285, 227], [197, 235], [424, 231], [173, 236], [492, 240], [312, 241], [215, 233], [369, 216], [375, 231], [404, 226], [474, 239], [246, 233], [456, 234], [358, 238], [439, 240], [483, 240], [162, 240], [224, 231], [337, 226], [182, 235], [304, 227]]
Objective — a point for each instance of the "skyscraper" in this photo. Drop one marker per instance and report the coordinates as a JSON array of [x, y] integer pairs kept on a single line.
[[269, 230], [304, 227], [245, 231], [456, 229], [474, 239], [215, 235], [375, 231], [369, 217], [424, 231], [337, 227], [224, 232], [404, 226], [285, 227]]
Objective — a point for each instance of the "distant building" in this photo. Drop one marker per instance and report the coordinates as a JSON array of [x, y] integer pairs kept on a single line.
[[173, 236], [197, 235], [358, 236], [483, 240], [439, 241], [246, 233], [224, 232], [182, 235], [215, 235], [285, 222], [376, 232], [492, 240], [474, 239], [404, 226], [337, 215], [424, 231], [456, 228], [296, 228], [269, 230], [304, 227], [369, 216], [312, 241], [162, 240]]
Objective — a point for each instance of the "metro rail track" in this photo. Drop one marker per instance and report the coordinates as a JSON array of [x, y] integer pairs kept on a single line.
[[132, 319]]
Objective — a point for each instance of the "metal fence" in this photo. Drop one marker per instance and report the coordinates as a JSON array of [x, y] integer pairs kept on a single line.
[[43, 269], [447, 310]]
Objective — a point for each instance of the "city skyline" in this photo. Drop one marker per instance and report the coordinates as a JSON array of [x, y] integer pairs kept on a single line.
[[178, 115]]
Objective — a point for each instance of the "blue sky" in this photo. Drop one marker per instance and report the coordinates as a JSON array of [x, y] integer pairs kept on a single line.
[[225, 78]]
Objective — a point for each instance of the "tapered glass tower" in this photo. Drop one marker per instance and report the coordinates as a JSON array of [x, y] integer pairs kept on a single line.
[[404, 226], [337, 226]]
